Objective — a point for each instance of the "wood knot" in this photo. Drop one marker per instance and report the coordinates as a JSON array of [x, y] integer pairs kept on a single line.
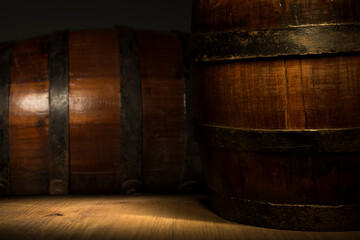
[[55, 214]]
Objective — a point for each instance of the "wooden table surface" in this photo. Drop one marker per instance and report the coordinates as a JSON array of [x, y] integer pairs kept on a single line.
[[130, 217]]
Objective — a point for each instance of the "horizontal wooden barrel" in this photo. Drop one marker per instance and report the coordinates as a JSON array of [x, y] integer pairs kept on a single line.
[[96, 111], [277, 109]]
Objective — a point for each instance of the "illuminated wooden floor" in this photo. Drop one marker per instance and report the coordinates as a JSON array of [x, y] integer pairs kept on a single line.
[[129, 217]]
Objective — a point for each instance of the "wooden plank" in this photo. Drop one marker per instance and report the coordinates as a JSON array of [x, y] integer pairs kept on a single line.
[[130, 217], [94, 105], [29, 117]]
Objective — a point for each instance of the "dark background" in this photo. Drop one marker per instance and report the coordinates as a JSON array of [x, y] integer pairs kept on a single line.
[[31, 18]]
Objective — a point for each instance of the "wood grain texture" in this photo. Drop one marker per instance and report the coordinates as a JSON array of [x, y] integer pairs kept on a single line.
[[308, 92], [227, 15], [137, 217], [29, 117], [328, 179], [162, 76], [285, 93], [94, 112]]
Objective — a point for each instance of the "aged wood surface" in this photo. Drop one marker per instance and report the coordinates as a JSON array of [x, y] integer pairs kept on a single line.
[[130, 217], [288, 93], [94, 112], [29, 117], [96, 127], [309, 92]]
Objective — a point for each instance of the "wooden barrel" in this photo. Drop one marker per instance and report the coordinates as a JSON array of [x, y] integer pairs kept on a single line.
[[96, 111], [277, 109]]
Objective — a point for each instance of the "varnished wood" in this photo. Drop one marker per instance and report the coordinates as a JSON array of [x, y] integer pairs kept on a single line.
[[285, 93], [29, 117], [94, 112], [136, 217], [308, 92], [95, 109]]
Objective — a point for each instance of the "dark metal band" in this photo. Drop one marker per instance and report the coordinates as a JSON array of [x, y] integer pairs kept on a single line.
[[5, 66], [59, 113], [131, 111], [345, 140], [303, 40], [287, 216], [192, 163]]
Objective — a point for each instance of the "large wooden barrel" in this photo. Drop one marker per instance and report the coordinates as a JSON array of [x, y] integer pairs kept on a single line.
[[96, 111], [277, 108]]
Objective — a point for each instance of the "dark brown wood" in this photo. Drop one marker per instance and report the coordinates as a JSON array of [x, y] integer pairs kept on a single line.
[[93, 120], [94, 112], [289, 93], [306, 92], [162, 74], [29, 117]]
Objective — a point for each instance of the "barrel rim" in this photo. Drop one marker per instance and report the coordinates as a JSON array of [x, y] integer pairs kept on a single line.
[[287, 216], [332, 140], [278, 42]]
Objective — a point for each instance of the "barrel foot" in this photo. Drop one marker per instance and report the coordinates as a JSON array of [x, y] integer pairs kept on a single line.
[[287, 216], [132, 186]]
